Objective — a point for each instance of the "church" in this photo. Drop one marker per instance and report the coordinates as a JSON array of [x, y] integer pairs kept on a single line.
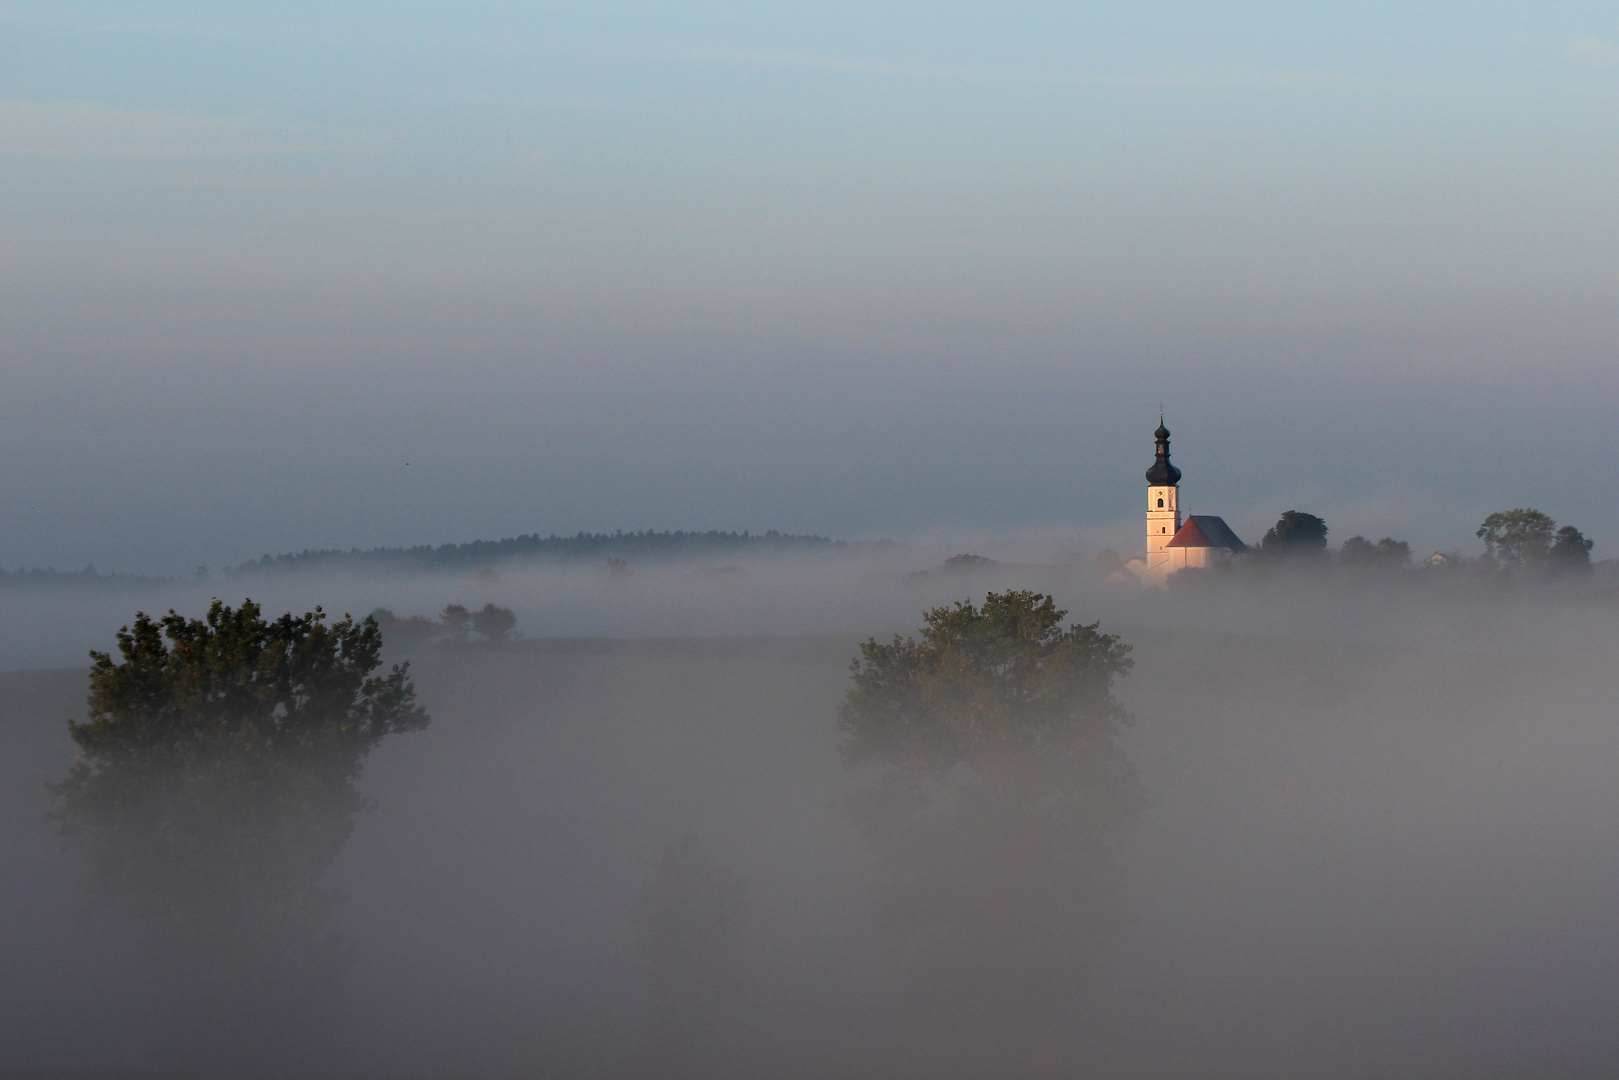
[[1202, 541]]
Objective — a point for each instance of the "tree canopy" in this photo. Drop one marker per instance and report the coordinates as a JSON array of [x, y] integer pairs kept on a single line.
[[1295, 533], [1525, 538], [1517, 537], [998, 792], [1571, 550], [985, 687], [494, 623], [216, 784]]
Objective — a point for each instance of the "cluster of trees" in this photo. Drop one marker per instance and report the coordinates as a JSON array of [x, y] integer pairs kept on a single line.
[[1514, 540], [1517, 539], [1301, 536], [456, 625]]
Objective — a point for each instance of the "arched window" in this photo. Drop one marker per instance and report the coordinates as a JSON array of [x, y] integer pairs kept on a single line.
[[1164, 529], [1160, 504]]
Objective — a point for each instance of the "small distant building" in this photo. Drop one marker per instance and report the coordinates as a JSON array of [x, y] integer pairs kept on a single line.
[[1203, 540]]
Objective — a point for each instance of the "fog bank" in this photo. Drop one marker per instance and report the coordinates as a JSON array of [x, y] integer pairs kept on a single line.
[[1378, 842]]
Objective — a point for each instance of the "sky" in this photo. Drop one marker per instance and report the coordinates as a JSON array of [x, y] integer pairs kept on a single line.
[[319, 275]]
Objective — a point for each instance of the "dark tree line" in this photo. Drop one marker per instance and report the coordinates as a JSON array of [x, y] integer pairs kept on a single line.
[[535, 548], [1523, 541], [89, 576]]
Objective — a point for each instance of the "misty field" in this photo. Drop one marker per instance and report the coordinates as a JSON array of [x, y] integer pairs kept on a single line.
[[1357, 858]]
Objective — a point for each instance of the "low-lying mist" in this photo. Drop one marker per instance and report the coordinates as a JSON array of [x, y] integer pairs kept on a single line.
[[1377, 837]]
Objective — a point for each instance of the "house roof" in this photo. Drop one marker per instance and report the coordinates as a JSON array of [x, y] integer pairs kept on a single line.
[[1206, 530]]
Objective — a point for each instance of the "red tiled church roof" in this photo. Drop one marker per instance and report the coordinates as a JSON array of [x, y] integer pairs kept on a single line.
[[1206, 530]]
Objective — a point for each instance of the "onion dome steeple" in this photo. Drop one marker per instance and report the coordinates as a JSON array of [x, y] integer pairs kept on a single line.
[[1162, 473]]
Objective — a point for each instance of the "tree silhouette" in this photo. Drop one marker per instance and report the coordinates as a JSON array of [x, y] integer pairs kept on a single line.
[[1359, 553], [1517, 537], [454, 621], [1295, 533], [1571, 550], [216, 784], [998, 794], [495, 623]]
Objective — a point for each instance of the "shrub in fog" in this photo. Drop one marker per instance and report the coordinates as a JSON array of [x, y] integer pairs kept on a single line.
[[454, 622], [491, 623], [998, 795], [215, 785], [409, 630], [1359, 553], [1570, 551], [494, 623]]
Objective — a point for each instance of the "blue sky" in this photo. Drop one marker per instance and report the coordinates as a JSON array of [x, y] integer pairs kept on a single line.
[[856, 269]]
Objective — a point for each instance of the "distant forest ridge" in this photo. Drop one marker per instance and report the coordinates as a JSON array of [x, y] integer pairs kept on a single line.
[[536, 548], [50, 576]]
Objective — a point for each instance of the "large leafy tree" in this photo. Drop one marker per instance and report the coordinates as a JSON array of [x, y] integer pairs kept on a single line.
[[1295, 533], [215, 785], [998, 794], [1517, 537]]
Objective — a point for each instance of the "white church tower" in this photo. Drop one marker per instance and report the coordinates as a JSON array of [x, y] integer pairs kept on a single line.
[[1163, 498], [1201, 541]]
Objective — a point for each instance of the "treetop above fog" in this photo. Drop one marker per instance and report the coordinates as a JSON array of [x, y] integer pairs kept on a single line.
[[298, 683], [981, 684], [1295, 533], [1523, 537], [217, 784], [220, 757], [1514, 540]]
